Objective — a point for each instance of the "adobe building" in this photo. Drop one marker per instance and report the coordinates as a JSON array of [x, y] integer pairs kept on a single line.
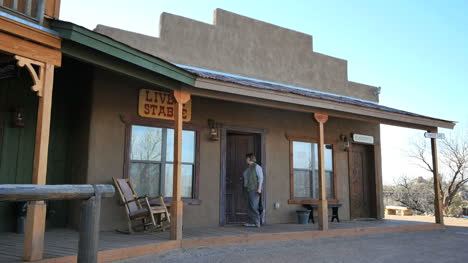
[[111, 104], [258, 86]]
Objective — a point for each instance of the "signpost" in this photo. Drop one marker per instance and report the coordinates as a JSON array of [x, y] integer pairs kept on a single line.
[[361, 138], [434, 135]]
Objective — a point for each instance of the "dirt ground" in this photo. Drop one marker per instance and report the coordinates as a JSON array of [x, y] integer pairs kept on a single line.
[[448, 221], [449, 245]]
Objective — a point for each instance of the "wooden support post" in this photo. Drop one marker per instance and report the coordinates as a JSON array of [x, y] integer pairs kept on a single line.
[[438, 209], [177, 203], [34, 236], [89, 230], [323, 204], [41, 149], [35, 224]]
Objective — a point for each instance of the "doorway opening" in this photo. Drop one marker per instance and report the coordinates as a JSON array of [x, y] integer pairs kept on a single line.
[[362, 183], [235, 144]]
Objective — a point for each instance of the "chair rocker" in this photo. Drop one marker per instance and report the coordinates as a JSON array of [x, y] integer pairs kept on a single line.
[[142, 216]]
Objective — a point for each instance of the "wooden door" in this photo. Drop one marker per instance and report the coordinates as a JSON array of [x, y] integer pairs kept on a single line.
[[362, 182], [238, 145]]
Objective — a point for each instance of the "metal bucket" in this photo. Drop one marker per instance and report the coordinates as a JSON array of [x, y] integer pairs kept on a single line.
[[303, 216]]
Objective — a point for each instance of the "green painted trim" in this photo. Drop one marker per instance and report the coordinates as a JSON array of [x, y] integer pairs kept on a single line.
[[92, 56], [96, 41]]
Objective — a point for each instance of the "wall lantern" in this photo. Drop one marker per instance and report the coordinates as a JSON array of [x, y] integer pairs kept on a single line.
[[18, 117], [345, 141], [214, 130]]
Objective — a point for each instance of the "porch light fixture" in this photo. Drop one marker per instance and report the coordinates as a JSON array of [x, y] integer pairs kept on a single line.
[[18, 117], [345, 141], [214, 130]]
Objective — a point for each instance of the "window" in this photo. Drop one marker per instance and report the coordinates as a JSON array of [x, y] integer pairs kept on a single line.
[[304, 170], [151, 158]]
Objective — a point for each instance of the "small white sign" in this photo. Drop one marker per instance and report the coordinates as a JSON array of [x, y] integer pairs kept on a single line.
[[363, 138], [434, 135]]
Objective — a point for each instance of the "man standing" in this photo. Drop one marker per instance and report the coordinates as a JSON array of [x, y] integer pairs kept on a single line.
[[253, 181]]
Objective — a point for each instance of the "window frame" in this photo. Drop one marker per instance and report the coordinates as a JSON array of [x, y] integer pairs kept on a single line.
[[296, 200], [159, 123]]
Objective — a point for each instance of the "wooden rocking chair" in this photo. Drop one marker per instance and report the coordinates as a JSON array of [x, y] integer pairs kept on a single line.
[[139, 210]]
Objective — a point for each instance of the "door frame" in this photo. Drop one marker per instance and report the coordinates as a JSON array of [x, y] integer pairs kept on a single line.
[[376, 175], [222, 181]]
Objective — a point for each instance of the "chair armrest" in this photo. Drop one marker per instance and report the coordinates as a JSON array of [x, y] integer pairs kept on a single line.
[[161, 202], [128, 202], [155, 197], [133, 200]]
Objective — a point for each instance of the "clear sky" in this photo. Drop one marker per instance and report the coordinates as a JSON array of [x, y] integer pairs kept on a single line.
[[417, 51]]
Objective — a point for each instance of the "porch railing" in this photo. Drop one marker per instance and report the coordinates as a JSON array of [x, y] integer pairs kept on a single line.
[[90, 208], [32, 10]]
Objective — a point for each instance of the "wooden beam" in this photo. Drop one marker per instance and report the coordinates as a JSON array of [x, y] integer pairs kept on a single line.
[[323, 204], [33, 192], [35, 223], [28, 49], [232, 88], [438, 204], [177, 204], [296, 107]]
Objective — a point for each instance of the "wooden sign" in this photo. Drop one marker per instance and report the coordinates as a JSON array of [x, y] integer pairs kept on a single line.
[[434, 135], [161, 105], [361, 138]]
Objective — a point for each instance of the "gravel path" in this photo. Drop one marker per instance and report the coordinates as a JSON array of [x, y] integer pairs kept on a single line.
[[450, 245]]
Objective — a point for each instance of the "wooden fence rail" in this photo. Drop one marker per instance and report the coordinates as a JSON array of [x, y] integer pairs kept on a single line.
[[90, 208]]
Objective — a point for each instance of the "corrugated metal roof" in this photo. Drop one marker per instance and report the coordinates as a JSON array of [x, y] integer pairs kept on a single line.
[[263, 84]]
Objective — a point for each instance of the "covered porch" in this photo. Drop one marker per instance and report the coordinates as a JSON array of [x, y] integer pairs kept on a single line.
[[61, 245]]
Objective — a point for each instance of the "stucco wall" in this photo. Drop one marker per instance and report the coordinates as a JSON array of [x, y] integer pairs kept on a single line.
[[114, 95], [241, 45]]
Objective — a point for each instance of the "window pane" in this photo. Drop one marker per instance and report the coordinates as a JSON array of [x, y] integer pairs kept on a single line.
[[329, 183], [188, 146], [315, 184], [146, 143], [302, 183], [302, 155], [329, 157], [146, 178], [187, 180]]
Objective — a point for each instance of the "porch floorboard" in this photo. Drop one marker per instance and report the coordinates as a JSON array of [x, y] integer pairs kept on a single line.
[[61, 245]]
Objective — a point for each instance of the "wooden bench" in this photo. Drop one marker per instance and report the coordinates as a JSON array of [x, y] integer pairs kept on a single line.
[[398, 210], [334, 208]]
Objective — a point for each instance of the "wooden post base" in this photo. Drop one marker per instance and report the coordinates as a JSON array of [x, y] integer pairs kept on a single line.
[[176, 219], [35, 228], [323, 214]]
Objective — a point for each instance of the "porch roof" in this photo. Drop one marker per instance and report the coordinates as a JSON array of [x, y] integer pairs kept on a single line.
[[98, 49], [327, 101]]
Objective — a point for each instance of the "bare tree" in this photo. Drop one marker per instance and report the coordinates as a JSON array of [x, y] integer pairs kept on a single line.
[[453, 156], [413, 193]]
